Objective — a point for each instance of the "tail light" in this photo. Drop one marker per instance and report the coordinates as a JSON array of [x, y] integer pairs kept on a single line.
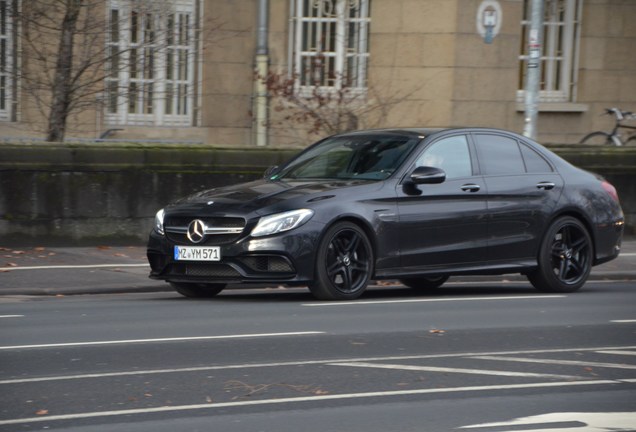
[[611, 190]]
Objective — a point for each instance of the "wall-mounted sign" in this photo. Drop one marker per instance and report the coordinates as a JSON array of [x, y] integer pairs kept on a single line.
[[489, 18]]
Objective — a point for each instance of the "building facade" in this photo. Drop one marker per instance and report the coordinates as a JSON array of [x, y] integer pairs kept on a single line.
[[282, 72]]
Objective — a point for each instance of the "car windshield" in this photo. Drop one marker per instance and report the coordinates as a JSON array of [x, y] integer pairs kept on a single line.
[[352, 157]]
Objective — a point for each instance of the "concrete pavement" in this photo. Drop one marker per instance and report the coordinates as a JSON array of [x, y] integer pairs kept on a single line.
[[105, 269]]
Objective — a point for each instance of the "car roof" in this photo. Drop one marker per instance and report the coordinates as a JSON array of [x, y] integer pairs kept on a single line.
[[424, 131]]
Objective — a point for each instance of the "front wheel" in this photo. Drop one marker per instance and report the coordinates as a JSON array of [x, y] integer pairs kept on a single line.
[[344, 263], [197, 290], [597, 138], [565, 257]]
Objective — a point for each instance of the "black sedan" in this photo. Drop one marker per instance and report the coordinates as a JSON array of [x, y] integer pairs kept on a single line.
[[418, 205]]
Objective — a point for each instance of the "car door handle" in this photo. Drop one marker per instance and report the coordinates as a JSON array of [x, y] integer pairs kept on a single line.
[[471, 187], [545, 185]]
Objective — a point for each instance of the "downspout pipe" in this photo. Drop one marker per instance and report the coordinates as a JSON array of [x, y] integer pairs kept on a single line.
[[261, 71]]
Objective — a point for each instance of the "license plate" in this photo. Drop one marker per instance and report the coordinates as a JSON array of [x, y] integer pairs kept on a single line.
[[197, 253]]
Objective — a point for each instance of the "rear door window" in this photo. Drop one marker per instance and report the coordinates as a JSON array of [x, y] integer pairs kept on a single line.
[[499, 155]]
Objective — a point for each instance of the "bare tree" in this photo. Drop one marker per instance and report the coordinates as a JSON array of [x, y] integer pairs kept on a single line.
[[317, 110], [68, 53]]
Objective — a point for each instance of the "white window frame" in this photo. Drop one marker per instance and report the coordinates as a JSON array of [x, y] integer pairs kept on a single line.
[[7, 59], [329, 44], [163, 97], [560, 50]]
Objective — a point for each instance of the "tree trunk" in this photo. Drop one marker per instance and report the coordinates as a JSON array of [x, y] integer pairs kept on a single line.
[[62, 88]]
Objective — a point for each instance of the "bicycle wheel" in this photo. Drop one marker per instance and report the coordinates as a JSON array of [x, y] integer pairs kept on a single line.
[[631, 141], [597, 138]]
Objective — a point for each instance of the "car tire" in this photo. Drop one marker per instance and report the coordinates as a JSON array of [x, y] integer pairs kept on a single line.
[[197, 290], [424, 283], [344, 263], [565, 257]]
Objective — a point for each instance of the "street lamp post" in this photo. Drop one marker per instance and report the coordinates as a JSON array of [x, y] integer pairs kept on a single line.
[[533, 70]]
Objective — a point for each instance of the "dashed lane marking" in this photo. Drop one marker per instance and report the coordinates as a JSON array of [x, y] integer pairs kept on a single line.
[[616, 352], [557, 362], [176, 339], [312, 362], [304, 399], [66, 267], [376, 302], [453, 370]]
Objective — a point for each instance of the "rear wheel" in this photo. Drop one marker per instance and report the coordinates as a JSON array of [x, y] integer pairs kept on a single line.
[[344, 263], [565, 257], [424, 283], [197, 290], [597, 138]]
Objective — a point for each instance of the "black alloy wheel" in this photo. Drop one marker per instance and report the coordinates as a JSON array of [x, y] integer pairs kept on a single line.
[[344, 263], [197, 290], [565, 257], [425, 283]]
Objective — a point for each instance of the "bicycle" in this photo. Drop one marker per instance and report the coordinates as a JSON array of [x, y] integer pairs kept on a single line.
[[613, 138]]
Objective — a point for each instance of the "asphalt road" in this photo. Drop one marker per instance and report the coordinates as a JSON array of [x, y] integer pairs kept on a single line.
[[478, 355]]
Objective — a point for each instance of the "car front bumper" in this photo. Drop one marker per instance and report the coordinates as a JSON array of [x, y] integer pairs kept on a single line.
[[285, 258]]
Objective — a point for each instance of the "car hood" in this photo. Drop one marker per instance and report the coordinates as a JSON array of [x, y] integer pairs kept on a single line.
[[260, 195]]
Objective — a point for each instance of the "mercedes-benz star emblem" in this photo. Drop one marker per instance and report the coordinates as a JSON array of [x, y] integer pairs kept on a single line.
[[196, 231]]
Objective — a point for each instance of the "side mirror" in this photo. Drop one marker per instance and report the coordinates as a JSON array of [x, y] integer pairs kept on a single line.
[[269, 171], [427, 175]]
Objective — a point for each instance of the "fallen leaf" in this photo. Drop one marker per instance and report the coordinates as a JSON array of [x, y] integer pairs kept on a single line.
[[39, 249], [120, 255], [103, 247], [18, 252], [42, 412], [437, 331], [12, 264]]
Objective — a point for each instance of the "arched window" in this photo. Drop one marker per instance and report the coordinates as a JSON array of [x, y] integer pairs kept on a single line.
[[330, 43], [561, 28], [150, 78]]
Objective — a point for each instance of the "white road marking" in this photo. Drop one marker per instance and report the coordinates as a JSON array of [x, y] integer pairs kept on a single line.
[[63, 267], [624, 321], [11, 316], [318, 398], [376, 302], [452, 370], [598, 422], [628, 254], [616, 352], [307, 363], [176, 339], [558, 362]]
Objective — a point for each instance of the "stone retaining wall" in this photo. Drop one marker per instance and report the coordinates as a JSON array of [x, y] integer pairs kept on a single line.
[[72, 194]]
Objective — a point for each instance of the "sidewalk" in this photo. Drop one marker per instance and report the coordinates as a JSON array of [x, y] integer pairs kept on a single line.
[[108, 270]]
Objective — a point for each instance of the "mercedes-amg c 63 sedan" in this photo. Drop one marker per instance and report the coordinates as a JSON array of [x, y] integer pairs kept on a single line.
[[418, 205]]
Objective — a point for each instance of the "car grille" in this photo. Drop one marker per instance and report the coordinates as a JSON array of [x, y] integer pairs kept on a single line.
[[225, 229], [213, 270]]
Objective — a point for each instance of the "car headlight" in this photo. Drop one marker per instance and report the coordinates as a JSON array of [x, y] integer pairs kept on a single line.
[[159, 222], [281, 222]]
